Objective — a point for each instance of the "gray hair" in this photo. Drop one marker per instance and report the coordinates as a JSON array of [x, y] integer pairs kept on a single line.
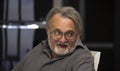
[[70, 13]]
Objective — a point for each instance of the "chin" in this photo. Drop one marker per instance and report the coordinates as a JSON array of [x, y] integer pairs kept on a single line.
[[63, 51]]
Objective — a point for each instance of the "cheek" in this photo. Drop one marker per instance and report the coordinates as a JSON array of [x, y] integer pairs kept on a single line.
[[72, 43], [52, 43]]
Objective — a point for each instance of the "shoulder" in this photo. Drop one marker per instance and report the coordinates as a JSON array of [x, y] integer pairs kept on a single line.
[[83, 59], [34, 52], [82, 52], [82, 55], [31, 55], [37, 49]]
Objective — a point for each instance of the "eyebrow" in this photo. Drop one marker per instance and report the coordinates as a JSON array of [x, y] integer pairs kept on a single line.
[[66, 31]]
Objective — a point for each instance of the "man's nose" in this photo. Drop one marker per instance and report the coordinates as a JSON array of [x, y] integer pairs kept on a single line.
[[63, 39]]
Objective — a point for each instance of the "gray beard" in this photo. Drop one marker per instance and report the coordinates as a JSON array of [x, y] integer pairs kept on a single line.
[[66, 51]]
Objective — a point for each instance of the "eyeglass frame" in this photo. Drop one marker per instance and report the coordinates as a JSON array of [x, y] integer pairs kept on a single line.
[[63, 34]]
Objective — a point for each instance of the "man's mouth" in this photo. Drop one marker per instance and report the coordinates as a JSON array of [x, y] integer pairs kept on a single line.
[[63, 45]]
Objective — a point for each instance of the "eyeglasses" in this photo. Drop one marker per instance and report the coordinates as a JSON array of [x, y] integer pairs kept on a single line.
[[69, 35]]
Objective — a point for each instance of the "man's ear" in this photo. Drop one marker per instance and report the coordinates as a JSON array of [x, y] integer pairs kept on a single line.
[[79, 36], [47, 31]]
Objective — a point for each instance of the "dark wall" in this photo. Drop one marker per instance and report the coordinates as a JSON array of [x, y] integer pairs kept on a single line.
[[1, 9], [117, 35], [1, 17], [73, 3], [41, 8], [0, 49], [39, 36], [99, 21], [99, 28]]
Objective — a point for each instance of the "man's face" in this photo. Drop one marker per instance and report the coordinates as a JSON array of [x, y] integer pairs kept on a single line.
[[62, 35]]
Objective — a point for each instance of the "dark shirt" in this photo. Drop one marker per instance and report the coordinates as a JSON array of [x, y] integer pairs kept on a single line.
[[39, 59]]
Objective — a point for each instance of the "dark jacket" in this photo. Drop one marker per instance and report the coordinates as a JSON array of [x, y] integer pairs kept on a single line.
[[39, 59]]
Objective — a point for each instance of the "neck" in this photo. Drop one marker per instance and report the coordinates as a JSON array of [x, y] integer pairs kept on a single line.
[[53, 55]]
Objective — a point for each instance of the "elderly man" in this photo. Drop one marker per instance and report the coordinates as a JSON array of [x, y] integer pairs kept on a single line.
[[60, 51]]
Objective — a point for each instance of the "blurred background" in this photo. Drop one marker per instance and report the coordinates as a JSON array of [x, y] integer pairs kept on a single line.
[[22, 26]]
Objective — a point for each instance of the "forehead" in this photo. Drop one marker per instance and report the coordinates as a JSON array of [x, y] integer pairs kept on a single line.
[[62, 23]]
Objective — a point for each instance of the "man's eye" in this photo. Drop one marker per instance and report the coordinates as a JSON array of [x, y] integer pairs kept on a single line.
[[57, 33], [70, 34]]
